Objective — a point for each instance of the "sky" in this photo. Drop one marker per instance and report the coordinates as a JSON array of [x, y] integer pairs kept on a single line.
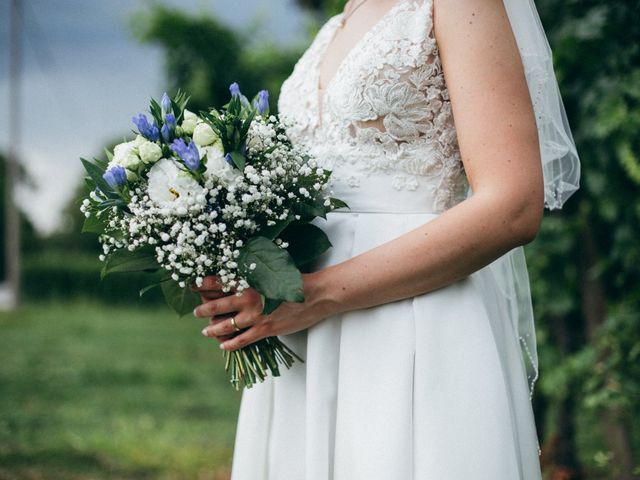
[[85, 76]]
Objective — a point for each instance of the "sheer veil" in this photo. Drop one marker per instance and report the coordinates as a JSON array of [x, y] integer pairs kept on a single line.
[[560, 165]]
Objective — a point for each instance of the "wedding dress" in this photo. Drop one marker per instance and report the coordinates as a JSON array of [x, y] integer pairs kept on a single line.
[[434, 387]]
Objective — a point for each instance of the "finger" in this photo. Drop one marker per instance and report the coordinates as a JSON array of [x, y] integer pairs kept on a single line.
[[252, 335], [225, 327], [215, 321], [220, 306], [207, 295]]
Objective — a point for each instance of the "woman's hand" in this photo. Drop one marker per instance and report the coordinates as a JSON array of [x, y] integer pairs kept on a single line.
[[246, 311]]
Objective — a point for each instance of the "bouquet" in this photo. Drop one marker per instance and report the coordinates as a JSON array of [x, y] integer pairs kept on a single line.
[[221, 193]]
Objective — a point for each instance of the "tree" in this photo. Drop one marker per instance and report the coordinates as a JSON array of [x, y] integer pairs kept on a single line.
[[203, 56], [586, 263]]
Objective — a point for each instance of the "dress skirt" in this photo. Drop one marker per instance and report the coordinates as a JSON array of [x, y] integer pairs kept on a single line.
[[429, 388]]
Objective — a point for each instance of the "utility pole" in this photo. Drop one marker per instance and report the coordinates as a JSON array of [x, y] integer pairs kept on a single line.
[[11, 292]]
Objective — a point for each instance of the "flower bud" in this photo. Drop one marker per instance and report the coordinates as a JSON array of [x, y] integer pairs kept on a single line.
[[189, 123], [131, 162], [150, 152]]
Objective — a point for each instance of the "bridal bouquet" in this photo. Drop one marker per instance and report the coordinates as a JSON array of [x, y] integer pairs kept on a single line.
[[222, 193]]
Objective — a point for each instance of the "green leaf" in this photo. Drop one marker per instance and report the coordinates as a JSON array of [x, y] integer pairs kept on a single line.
[[156, 112], [181, 300], [246, 125], [306, 242], [312, 208], [95, 172], [271, 232], [142, 260], [239, 160], [94, 224], [275, 274], [270, 305], [337, 203], [148, 288]]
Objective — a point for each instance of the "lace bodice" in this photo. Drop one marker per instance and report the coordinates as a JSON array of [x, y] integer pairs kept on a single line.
[[385, 113]]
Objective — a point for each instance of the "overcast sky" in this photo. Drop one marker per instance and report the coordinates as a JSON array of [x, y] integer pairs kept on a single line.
[[85, 76]]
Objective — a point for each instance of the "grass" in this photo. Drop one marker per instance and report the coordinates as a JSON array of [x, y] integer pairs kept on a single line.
[[89, 391]]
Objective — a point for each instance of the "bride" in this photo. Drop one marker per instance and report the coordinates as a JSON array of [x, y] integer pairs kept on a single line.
[[414, 324]]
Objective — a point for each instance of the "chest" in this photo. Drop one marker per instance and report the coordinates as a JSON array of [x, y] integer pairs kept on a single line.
[[380, 80]]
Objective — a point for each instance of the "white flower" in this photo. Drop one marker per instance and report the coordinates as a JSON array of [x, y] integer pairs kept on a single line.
[[204, 135], [150, 152], [139, 140], [131, 162], [122, 151], [172, 188], [190, 121], [219, 168]]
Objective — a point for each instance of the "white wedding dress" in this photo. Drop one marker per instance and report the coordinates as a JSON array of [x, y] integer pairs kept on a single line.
[[429, 388]]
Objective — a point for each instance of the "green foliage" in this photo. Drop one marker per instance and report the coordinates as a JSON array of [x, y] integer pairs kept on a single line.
[[306, 243], [585, 264], [204, 57], [124, 261], [181, 300], [63, 274], [275, 274]]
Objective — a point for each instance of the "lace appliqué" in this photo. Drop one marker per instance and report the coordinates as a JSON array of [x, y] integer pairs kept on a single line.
[[385, 111]]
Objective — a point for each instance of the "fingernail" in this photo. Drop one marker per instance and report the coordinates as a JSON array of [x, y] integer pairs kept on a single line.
[[195, 312], [222, 346], [204, 332]]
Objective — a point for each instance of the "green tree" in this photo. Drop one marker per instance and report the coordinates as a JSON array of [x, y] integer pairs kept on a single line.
[[585, 264], [203, 56]]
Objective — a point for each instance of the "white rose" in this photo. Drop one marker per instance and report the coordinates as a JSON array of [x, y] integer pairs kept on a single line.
[[131, 162], [150, 152], [219, 168], [122, 151], [190, 121], [204, 135], [139, 140], [173, 188]]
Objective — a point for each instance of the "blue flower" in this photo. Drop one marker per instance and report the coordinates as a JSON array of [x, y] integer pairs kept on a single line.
[[165, 104], [188, 153], [262, 103], [116, 176], [234, 88], [147, 130], [169, 127]]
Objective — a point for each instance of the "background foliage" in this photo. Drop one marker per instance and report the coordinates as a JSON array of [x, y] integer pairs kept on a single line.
[[584, 265]]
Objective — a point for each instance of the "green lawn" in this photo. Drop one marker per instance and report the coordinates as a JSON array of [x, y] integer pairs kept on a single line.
[[89, 391]]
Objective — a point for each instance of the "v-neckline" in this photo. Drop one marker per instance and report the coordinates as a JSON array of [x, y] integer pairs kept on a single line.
[[322, 92]]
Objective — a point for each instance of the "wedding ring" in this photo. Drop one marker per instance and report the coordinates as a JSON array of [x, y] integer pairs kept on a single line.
[[234, 324]]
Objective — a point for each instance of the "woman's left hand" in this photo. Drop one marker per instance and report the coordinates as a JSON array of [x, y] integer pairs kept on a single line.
[[246, 311]]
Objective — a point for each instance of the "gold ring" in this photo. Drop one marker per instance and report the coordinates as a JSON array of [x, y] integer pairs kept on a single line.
[[234, 324]]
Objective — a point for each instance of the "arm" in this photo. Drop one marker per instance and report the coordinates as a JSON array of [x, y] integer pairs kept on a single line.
[[499, 145]]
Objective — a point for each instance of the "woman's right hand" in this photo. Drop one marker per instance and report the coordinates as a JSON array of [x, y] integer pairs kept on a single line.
[[211, 289]]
